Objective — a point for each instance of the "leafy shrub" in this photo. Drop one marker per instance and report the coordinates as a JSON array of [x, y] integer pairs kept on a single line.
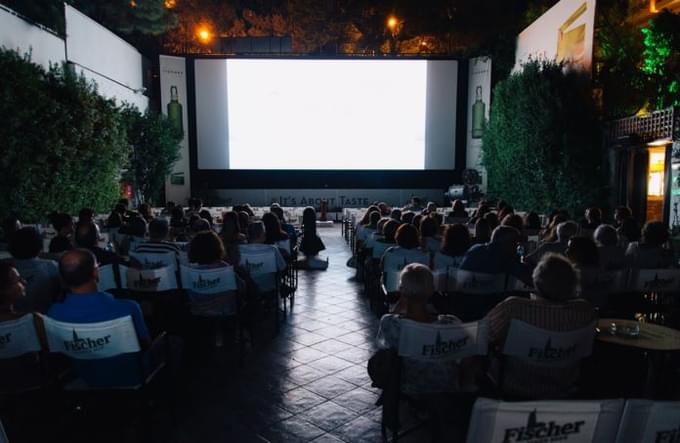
[[63, 145], [154, 144], [541, 147]]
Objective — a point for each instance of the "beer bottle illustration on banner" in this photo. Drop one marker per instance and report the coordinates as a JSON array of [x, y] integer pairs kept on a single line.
[[175, 111], [477, 114]]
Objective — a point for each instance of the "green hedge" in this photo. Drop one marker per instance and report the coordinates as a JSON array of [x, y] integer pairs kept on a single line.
[[63, 145], [542, 148]]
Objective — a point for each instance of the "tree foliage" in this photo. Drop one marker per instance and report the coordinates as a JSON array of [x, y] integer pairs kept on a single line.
[[63, 144], [661, 58], [154, 144], [541, 147]]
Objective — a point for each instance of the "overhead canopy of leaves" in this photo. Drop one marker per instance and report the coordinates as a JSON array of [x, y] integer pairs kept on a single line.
[[63, 145], [541, 148], [661, 58], [154, 144]]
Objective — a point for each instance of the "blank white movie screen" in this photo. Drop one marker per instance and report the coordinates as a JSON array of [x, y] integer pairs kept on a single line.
[[325, 114]]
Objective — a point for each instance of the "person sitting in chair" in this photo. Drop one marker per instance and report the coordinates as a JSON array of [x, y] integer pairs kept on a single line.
[[85, 304], [311, 244]]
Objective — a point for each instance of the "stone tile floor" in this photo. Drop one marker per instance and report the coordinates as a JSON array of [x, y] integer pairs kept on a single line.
[[309, 383]]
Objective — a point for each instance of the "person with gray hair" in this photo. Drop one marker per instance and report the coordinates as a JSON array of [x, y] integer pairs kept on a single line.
[[553, 306], [565, 231], [416, 286], [498, 256], [612, 256]]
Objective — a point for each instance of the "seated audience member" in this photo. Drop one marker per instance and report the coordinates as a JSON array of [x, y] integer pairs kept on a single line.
[[620, 214], [650, 253], [145, 211], [564, 232], [482, 231], [415, 205], [311, 244], [504, 212], [86, 238], [133, 232], [42, 276], [515, 221], [431, 208], [629, 231], [195, 205], [593, 219], [549, 234], [553, 307], [407, 217], [206, 251], [454, 245], [274, 233], [114, 221], [86, 215], [63, 224], [85, 304], [438, 219], [178, 225], [498, 256], [458, 210], [231, 237], [287, 227], [256, 245], [12, 291], [158, 239], [532, 223], [207, 216], [396, 215], [583, 253], [612, 256], [389, 230], [501, 205], [167, 210], [384, 209], [430, 240], [417, 220], [416, 286], [243, 221], [10, 225], [481, 211], [406, 251], [198, 224], [492, 219]]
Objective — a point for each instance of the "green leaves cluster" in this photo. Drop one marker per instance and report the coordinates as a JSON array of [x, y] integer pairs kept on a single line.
[[541, 147], [63, 144], [154, 144], [661, 58]]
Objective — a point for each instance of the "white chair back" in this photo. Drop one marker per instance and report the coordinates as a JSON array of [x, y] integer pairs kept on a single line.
[[208, 281], [92, 341], [478, 283], [398, 261], [649, 421], [542, 347], [148, 280], [155, 260], [285, 245], [655, 280], [593, 421], [442, 342], [260, 263], [18, 337], [107, 279]]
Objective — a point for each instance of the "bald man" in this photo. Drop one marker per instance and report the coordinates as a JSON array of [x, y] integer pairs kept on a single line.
[[85, 304]]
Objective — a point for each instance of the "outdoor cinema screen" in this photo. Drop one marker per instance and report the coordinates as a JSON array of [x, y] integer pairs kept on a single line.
[[269, 114]]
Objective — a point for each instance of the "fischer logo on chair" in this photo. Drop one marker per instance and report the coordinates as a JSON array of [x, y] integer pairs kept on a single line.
[[202, 283], [86, 345], [146, 283], [541, 432], [443, 347], [668, 436], [548, 353], [5, 340]]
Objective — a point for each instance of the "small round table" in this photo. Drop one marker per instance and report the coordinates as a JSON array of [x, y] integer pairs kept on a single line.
[[652, 337]]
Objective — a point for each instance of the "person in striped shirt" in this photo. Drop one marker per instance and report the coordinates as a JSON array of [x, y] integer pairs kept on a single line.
[[554, 306], [157, 243]]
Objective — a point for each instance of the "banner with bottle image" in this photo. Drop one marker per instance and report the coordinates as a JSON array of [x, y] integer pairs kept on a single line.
[[173, 105], [479, 97]]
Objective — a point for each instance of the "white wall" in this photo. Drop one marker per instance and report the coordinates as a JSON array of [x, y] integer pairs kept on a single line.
[[17, 34], [540, 39], [102, 56]]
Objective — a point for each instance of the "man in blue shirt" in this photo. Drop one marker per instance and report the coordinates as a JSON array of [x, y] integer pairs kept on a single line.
[[85, 304], [498, 256]]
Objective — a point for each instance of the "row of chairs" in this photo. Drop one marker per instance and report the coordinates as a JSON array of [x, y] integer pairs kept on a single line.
[[437, 343]]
